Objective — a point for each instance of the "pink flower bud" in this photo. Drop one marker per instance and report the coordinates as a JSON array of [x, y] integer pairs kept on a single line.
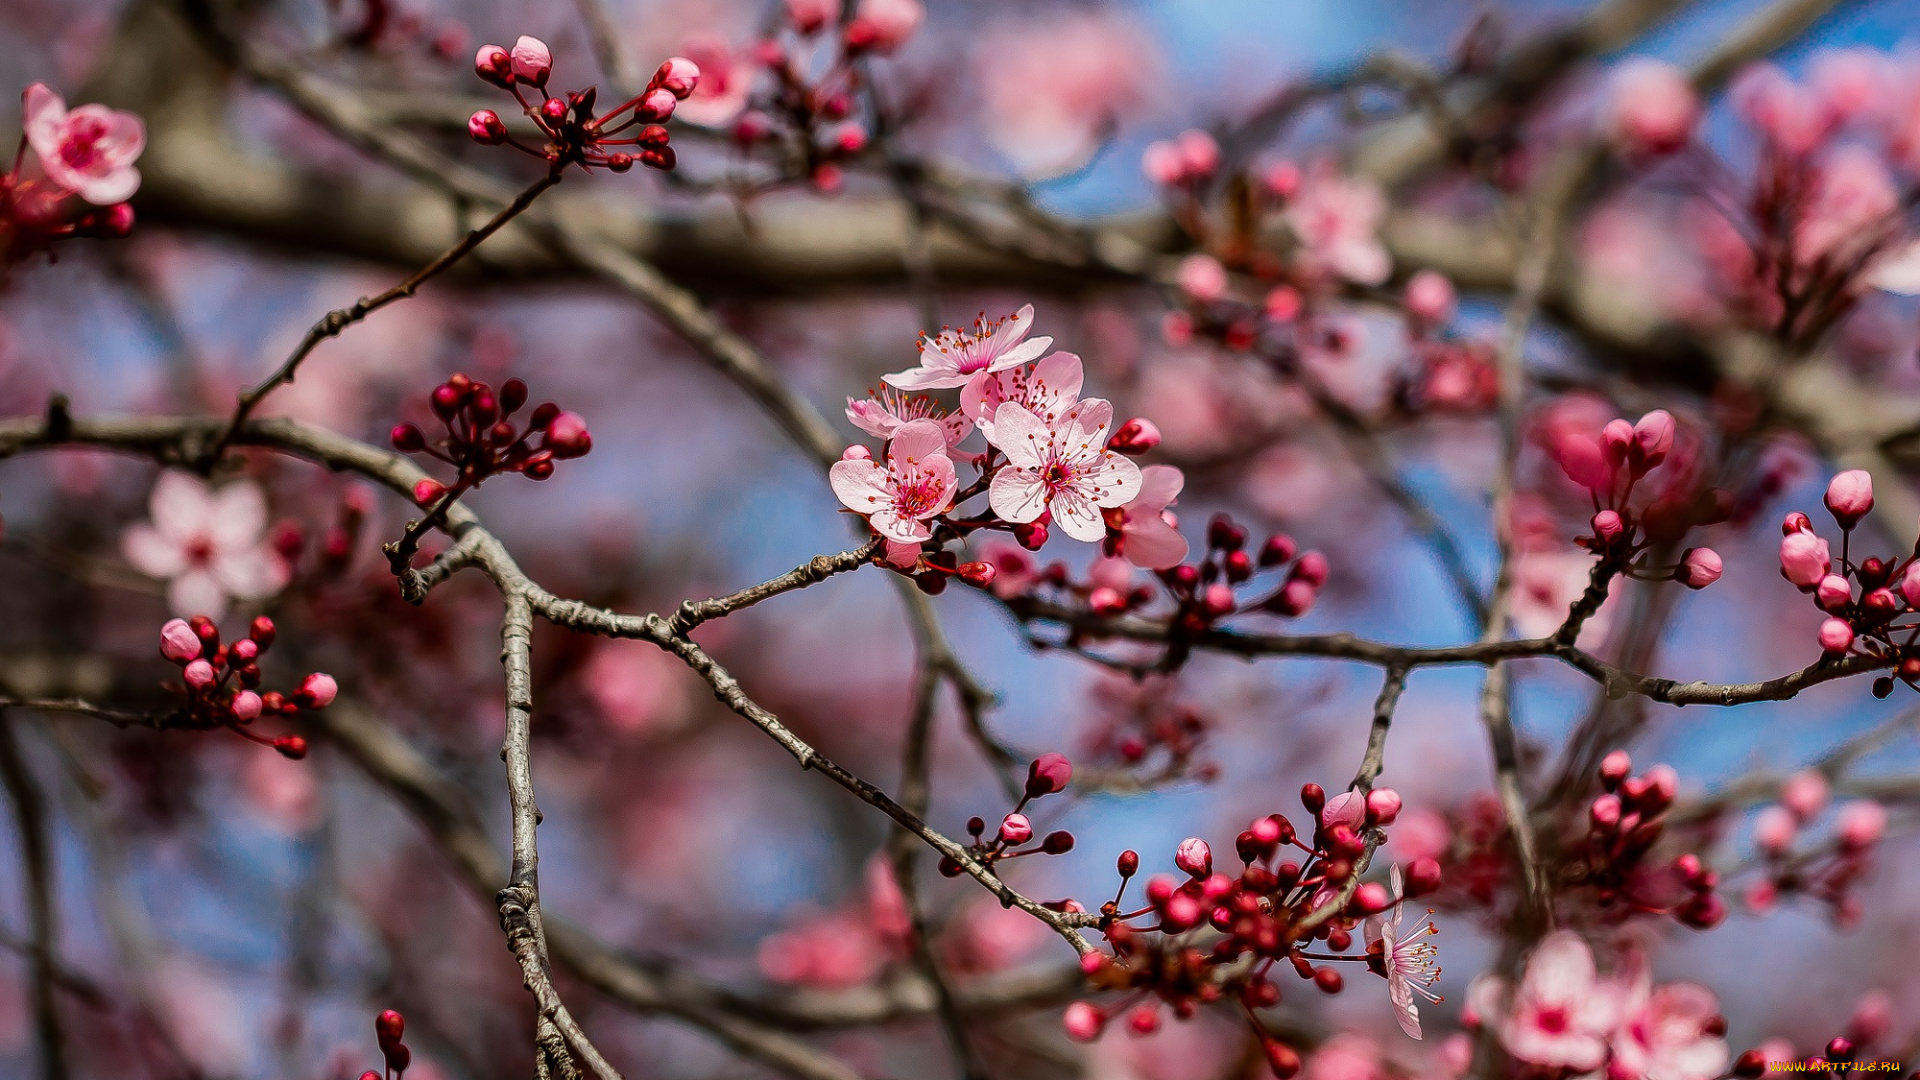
[[1872, 1017], [1371, 899], [1774, 830], [1617, 439], [1194, 856], [487, 129], [493, 64], [1699, 568], [567, 436], [1607, 526], [1861, 824], [1423, 876], [1161, 163], [856, 452], [1805, 559], [1805, 794], [1652, 439], [1835, 635], [1218, 600], [1795, 522], [1430, 297], [317, 691], [1016, 829], [428, 491], [1083, 1021], [1282, 180], [1833, 593], [1199, 153], [1202, 277], [678, 76], [1663, 783], [1294, 599], [978, 574], [199, 674], [246, 705], [1652, 108], [1136, 436], [178, 642], [1762, 897], [1312, 569], [808, 16], [1850, 497], [1614, 768], [1048, 775], [1283, 303], [1183, 912], [656, 107], [1383, 806], [295, 747], [1910, 585], [1348, 808], [1604, 814], [532, 61], [1106, 602]]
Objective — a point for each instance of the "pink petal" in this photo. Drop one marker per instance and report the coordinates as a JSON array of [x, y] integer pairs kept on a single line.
[[239, 515], [943, 377], [918, 441], [182, 506], [1154, 544], [1113, 480], [1022, 437], [888, 523], [1159, 486], [860, 485], [1022, 353], [196, 592], [872, 417], [1076, 515], [251, 573], [44, 116], [1017, 495], [152, 553]]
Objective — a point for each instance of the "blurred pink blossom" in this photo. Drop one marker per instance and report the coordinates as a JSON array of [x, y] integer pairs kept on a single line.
[[726, 81], [1337, 221], [209, 545], [90, 150], [1056, 88]]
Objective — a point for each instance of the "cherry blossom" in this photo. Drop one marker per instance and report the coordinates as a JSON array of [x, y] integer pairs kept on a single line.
[[1054, 90], [1337, 221], [1667, 1034], [1652, 108], [1064, 469], [1049, 390], [889, 410], [90, 150], [209, 544], [1147, 535], [952, 357], [884, 25], [1562, 1013], [1405, 957], [917, 484], [725, 84]]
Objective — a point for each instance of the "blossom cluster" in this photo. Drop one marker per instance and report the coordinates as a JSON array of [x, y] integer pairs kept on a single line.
[[1863, 600], [221, 682], [82, 174], [1623, 825], [389, 1028], [1824, 873], [482, 440], [630, 131], [1048, 774], [1215, 937]]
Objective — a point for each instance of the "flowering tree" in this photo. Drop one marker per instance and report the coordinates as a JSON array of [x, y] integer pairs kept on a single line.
[[1365, 505]]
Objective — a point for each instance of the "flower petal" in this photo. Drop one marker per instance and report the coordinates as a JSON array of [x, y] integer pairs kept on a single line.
[[1154, 544], [197, 592], [860, 485], [251, 573], [152, 553], [1110, 480], [1159, 486], [917, 441], [1022, 353], [1017, 495], [239, 515], [1076, 515], [1021, 436], [182, 506]]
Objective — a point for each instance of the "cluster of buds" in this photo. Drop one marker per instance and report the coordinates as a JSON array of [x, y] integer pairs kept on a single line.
[[388, 1028], [1623, 824], [1048, 774], [1870, 1025], [805, 115], [482, 439], [1151, 734], [1826, 872], [1610, 466], [1205, 592], [221, 682], [1183, 163], [1449, 374], [83, 178], [1218, 938], [1862, 600], [629, 132]]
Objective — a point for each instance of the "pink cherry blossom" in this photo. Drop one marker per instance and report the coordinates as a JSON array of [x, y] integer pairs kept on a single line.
[[1014, 568], [1860, 824], [1346, 1056], [1430, 297], [1337, 221], [917, 484], [1653, 108], [1203, 278], [1561, 1014], [1148, 538], [1056, 88], [210, 545], [179, 643], [951, 357], [1409, 959], [884, 25], [887, 412], [1665, 1035], [1853, 201], [725, 84], [1805, 794], [1348, 808], [1773, 830], [1065, 469], [532, 61], [1779, 109], [1049, 390], [831, 951], [1850, 497], [90, 150]]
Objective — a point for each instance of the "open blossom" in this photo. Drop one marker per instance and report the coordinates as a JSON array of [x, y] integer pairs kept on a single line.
[[1853, 200], [90, 150], [890, 410], [916, 485], [1049, 390], [1666, 1034], [1065, 469], [951, 357], [1562, 1013], [210, 545], [1148, 537], [1337, 221], [726, 82], [1406, 958], [1054, 90]]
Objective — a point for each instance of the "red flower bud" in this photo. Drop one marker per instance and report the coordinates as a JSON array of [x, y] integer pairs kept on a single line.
[[486, 128], [1048, 774], [291, 746], [493, 64], [1423, 876], [1136, 436]]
